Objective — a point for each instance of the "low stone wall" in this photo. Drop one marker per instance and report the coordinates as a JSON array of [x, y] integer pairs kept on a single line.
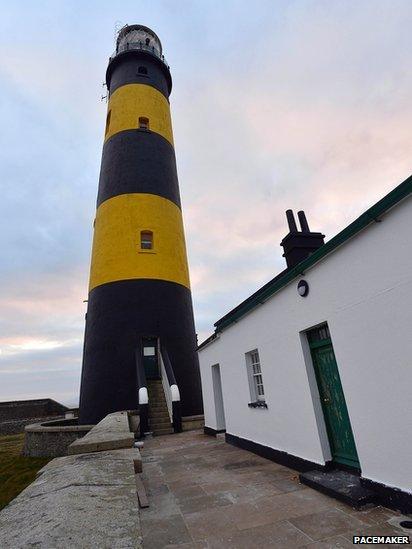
[[15, 426], [25, 409], [110, 433], [84, 500], [52, 438], [16, 414], [189, 423], [77, 502]]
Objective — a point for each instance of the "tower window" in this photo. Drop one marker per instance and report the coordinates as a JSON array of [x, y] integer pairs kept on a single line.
[[143, 123], [107, 122], [142, 70], [146, 240]]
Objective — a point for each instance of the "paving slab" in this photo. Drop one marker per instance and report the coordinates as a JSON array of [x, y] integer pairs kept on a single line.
[[328, 523], [206, 493]]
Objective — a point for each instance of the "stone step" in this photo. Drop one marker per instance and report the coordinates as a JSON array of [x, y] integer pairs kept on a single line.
[[163, 432], [156, 394], [164, 429], [159, 423], [340, 485], [160, 417], [158, 405], [158, 413]]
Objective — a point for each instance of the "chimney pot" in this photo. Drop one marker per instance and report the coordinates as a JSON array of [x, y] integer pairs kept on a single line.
[[291, 221], [303, 222]]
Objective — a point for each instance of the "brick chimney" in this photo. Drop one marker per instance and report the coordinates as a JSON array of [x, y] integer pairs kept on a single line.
[[298, 245]]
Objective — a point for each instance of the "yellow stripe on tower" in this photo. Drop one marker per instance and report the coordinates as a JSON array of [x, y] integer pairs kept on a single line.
[[132, 101], [116, 251]]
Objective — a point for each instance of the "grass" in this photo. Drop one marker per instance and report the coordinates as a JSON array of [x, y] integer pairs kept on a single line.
[[16, 471]]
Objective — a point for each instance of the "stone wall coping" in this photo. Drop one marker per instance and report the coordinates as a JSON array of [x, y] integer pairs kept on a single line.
[[48, 427], [80, 501], [112, 432]]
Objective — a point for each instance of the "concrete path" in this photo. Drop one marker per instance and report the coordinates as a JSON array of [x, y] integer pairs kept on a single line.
[[206, 493]]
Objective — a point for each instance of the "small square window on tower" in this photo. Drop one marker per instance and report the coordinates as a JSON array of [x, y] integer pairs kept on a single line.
[[257, 392], [142, 70], [146, 240], [143, 123]]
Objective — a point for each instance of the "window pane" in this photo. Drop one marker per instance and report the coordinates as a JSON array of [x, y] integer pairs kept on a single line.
[[319, 334], [143, 123], [149, 351], [146, 240], [255, 373]]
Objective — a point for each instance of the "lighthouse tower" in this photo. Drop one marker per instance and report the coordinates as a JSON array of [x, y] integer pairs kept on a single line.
[[140, 341]]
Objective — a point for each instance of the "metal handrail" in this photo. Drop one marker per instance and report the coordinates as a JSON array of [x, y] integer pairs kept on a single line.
[[143, 395], [129, 46], [166, 388], [168, 366], [171, 389]]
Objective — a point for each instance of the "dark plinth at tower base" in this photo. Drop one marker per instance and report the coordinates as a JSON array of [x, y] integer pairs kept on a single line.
[[140, 339]]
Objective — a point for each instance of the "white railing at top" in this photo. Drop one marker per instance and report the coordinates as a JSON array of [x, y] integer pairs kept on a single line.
[[167, 388], [140, 46]]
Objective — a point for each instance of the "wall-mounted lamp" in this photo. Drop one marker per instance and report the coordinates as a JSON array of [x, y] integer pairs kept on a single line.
[[303, 288]]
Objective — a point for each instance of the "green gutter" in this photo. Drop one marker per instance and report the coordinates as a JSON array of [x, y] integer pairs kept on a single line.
[[372, 215]]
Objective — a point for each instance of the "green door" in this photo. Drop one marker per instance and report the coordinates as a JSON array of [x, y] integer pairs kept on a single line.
[[150, 358], [337, 421]]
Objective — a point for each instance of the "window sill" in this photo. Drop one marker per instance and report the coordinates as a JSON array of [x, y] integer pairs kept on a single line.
[[147, 252], [258, 404]]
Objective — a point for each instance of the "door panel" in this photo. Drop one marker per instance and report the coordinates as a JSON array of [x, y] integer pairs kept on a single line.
[[334, 405], [218, 397], [150, 358]]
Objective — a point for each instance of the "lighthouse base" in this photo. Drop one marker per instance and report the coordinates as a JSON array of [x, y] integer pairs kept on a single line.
[[119, 315]]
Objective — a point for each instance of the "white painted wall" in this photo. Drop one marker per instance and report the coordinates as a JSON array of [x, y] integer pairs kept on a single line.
[[364, 291]]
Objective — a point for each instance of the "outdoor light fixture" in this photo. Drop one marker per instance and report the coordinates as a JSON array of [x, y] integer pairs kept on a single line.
[[303, 288]]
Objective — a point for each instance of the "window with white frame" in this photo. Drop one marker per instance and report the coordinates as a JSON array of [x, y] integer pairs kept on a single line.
[[255, 376]]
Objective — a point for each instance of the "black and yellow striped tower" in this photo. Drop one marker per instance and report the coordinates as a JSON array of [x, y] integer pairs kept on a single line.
[[139, 281]]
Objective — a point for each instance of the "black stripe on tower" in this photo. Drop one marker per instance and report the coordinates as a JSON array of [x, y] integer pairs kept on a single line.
[[124, 69], [138, 161], [115, 324]]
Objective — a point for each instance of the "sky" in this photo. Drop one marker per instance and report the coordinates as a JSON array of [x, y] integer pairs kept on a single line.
[[275, 105]]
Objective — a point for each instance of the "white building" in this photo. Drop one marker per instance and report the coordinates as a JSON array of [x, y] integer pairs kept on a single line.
[[324, 380]]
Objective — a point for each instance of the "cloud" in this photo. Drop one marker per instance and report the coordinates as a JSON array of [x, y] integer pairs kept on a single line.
[[302, 105]]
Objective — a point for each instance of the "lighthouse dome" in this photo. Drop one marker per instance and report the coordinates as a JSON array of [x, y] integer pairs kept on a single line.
[[138, 37]]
